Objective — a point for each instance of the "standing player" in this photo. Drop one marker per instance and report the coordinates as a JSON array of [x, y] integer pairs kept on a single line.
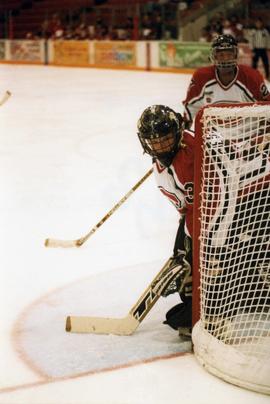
[[162, 136], [223, 82]]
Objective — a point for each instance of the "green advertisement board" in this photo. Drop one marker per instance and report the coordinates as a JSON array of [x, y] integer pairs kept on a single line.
[[180, 54]]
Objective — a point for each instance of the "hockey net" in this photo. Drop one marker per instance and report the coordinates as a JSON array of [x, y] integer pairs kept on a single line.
[[231, 269]]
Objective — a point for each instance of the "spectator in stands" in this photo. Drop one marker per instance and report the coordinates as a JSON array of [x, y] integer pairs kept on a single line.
[[121, 32], [170, 28], [45, 32], [220, 24], [114, 33], [31, 36], [147, 27], [227, 28], [205, 35], [129, 28], [101, 30], [158, 26], [91, 31], [81, 30], [56, 28], [260, 43], [237, 28], [69, 32], [216, 24]]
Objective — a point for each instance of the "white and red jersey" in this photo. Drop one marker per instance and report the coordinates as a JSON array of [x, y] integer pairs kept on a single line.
[[205, 88], [176, 181]]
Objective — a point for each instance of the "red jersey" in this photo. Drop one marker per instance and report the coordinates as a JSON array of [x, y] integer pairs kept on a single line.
[[176, 181], [205, 88]]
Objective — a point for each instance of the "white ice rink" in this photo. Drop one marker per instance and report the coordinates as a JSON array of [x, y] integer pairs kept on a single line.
[[68, 153]]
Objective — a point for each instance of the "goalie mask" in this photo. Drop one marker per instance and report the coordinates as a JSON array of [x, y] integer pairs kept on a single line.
[[224, 52], [160, 132]]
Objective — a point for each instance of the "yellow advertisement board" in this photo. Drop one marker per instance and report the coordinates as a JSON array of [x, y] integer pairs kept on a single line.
[[122, 54], [75, 53]]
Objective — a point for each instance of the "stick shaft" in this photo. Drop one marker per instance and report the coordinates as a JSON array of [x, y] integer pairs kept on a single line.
[[5, 98], [50, 242], [114, 208]]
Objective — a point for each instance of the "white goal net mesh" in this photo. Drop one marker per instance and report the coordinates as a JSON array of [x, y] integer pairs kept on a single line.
[[232, 338]]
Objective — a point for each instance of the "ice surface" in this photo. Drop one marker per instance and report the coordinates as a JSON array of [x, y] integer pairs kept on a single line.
[[68, 153]]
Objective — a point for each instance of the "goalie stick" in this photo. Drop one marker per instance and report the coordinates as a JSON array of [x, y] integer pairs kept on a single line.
[[5, 98], [127, 325], [51, 242]]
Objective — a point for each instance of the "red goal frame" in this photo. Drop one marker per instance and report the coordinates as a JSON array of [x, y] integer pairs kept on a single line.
[[197, 201]]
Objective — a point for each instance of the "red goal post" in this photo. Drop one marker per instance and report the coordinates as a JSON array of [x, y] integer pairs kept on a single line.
[[231, 246]]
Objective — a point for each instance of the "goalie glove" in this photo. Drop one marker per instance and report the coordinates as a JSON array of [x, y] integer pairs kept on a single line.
[[177, 274]]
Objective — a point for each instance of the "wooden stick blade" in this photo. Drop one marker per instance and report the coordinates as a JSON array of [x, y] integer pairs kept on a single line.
[[54, 243], [102, 325]]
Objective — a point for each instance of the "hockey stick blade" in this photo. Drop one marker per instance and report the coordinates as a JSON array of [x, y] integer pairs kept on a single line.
[[127, 325], [102, 325], [54, 243]]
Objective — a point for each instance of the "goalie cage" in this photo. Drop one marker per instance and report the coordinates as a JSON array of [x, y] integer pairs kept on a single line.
[[231, 299]]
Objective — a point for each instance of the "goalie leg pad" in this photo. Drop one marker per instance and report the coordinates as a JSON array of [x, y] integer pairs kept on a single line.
[[181, 269]]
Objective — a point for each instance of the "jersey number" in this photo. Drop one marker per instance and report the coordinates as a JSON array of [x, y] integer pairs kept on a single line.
[[264, 90], [189, 192]]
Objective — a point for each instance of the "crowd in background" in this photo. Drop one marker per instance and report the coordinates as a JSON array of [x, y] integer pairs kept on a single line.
[[153, 24], [221, 24], [151, 27]]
